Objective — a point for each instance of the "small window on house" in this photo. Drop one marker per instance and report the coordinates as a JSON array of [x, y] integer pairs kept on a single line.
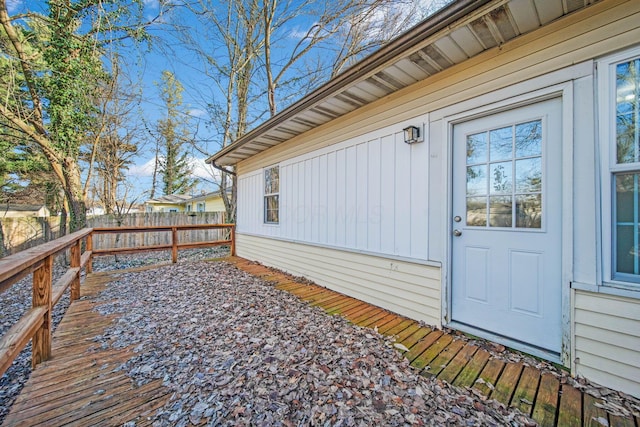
[[271, 195], [200, 207], [619, 96], [189, 208], [626, 173]]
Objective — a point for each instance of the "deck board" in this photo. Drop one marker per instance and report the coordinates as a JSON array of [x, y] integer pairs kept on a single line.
[[79, 385], [544, 410], [472, 370]]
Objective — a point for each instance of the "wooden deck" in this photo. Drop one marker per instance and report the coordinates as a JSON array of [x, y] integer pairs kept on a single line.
[[79, 386]]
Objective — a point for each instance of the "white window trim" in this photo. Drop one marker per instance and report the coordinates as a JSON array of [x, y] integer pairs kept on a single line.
[[607, 152]]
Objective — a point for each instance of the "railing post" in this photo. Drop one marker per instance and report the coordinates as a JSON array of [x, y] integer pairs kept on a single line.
[[42, 278], [89, 267], [75, 263], [174, 244], [233, 240]]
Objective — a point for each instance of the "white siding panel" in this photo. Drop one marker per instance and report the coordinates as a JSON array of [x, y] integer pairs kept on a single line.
[[286, 202], [307, 205], [607, 342], [402, 193], [374, 196], [419, 200], [341, 197], [315, 199], [332, 207], [350, 185], [298, 177], [323, 194], [405, 288], [387, 185], [362, 193]]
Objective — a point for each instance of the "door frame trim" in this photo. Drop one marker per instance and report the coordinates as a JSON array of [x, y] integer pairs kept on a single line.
[[564, 91]]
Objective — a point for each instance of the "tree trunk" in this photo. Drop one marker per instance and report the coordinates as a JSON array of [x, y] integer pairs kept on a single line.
[[74, 193]]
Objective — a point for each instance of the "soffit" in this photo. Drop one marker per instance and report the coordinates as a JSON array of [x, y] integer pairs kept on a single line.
[[459, 32]]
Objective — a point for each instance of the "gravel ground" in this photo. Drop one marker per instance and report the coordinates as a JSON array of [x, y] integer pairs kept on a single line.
[[15, 301], [236, 351]]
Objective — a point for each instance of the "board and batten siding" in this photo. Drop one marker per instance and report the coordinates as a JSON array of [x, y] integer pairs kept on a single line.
[[403, 287], [366, 194], [605, 330], [607, 340]]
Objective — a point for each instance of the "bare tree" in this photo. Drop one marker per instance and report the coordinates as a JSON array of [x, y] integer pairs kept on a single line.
[[258, 55]]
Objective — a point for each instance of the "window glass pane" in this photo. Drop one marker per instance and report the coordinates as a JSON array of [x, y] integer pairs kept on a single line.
[[627, 225], [271, 208], [627, 105], [267, 181], [501, 143], [271, 180], [477, 148], [529, 211], [500, 211], [476, 180], [275, 179], [477, 211], [529, 175], [529, 139], [501, 178]]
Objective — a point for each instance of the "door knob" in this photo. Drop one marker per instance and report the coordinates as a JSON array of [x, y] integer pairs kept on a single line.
[[457, 233]]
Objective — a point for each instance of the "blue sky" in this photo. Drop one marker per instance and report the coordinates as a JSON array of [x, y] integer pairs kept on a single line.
[[145, 65]]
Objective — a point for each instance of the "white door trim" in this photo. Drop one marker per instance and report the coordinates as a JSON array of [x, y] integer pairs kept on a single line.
[[565, 92]]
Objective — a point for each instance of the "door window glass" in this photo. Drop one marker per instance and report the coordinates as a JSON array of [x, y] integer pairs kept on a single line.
[[512, 156]]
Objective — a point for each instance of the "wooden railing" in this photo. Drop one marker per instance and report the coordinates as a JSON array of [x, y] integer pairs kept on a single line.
[[35, 324]]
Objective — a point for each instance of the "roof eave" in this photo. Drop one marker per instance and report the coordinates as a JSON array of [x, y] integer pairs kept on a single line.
[[386, 54]]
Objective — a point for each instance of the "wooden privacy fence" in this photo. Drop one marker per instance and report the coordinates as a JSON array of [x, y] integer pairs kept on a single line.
[[149, 219], [35, 325]]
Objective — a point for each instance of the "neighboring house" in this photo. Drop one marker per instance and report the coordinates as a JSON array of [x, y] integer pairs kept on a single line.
[[95, 211], [22, 211], [209, 202], [169, 203], [515, 214]]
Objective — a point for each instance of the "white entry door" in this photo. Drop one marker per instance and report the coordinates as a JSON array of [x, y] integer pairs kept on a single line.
[[506, 222]]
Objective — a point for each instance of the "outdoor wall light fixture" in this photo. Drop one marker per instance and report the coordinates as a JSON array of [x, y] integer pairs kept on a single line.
[[412, 134]]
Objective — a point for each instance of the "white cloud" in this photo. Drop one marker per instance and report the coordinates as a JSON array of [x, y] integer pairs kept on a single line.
[[197, 113], [145, 169], [199, 167], [203, 170], [13, 5]]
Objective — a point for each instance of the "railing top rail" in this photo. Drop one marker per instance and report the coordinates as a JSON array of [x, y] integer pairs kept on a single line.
[[13, 265], [142, 228]]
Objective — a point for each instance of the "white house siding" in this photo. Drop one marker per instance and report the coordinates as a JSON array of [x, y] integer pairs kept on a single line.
[[607, 340], [562, 51], [367, 194], [406, 288]]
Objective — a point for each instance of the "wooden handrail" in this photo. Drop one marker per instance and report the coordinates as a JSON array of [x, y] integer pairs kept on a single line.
[[35, 324], [174, 246]]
